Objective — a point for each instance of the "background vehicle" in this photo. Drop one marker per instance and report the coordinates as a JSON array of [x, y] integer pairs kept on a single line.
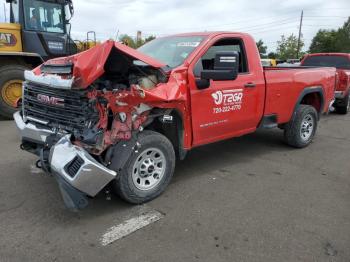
[[119, 116], [268, 62], [341, 61], [38, 30], [293, 61]]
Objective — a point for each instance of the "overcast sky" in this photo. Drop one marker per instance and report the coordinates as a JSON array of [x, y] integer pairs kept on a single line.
[[266, 20]]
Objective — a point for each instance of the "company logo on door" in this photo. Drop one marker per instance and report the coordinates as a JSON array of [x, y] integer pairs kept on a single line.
[[228, 97], [227, 100]]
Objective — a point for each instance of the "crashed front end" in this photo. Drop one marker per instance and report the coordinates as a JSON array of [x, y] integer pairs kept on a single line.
[[81, 115]]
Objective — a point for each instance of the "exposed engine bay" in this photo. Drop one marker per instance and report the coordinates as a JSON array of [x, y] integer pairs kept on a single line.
[[111, 108]]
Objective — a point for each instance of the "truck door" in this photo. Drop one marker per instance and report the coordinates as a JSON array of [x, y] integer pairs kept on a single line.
[[226, 108]]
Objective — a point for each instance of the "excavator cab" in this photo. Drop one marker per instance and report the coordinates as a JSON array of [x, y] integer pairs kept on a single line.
[[38, 30], [45, 26]]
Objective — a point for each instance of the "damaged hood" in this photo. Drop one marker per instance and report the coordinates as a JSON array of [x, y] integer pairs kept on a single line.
[[89, 65]]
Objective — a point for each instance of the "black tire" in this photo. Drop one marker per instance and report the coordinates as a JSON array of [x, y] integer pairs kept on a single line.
[[344, 109], [293, 131], [7, 73], [126, 187]]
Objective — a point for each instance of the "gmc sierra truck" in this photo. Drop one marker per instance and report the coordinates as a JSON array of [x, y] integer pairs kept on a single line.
[[117, 117], [341, 61]]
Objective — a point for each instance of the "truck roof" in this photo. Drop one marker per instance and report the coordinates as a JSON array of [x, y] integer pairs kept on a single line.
[[208, 33], [325, 54]]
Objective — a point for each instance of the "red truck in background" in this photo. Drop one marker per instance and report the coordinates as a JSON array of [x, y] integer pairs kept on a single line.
[[115, 116], [341, 61]]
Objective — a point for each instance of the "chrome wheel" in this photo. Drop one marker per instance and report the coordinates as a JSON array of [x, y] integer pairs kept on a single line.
[[307, 127], [148, 169]]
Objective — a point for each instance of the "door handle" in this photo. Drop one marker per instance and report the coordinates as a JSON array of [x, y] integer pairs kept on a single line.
[[249, 85]]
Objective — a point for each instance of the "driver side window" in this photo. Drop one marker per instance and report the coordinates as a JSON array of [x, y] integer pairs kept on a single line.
[[206, 62]]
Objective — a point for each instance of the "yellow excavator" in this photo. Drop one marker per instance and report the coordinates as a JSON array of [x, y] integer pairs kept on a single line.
[[38, 30]]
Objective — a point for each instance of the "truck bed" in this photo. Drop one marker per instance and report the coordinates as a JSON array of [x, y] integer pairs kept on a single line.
[[285, 84]]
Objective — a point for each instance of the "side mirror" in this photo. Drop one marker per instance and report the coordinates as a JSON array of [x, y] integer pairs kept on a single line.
[[225, 67]]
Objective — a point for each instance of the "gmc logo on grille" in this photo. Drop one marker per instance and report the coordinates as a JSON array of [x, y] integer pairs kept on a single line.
[[55, 101]]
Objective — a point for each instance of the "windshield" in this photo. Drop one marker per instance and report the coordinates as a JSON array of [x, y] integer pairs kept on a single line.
[[173, 50], [43, 16], [328, 61]]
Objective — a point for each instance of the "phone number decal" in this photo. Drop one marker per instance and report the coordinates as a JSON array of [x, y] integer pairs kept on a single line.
[[223, 109]]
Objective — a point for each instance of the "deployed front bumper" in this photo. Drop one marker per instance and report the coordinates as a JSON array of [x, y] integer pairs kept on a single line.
[[77, 172], [78, 167], [31, 132]]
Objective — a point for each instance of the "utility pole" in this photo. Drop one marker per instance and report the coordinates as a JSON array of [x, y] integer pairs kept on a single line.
[[116, 37], [138, 36], [299, 37]]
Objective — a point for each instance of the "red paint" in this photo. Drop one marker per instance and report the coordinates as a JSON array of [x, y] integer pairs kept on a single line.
[[276, 92], [343, 75]]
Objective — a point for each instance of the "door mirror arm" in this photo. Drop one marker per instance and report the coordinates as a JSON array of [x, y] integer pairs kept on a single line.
[[202, 83]]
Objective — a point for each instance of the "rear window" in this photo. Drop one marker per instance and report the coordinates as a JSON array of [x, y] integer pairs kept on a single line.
[[328, 61]]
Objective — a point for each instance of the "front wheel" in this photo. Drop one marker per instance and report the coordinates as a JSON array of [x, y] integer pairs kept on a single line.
[[148, 172], [300, 131]]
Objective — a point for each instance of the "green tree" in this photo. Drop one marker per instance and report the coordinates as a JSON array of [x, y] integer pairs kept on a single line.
[[149, 38], [287, 47], [343, 38], [272, 55], [128, 40], [332, 40], [324, 41], [262, 48]]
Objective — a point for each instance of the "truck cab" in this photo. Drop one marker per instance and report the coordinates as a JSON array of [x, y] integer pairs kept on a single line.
[[44, 27]]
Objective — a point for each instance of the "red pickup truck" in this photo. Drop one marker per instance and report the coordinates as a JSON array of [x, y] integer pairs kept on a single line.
[[341, 61], [115, 116]]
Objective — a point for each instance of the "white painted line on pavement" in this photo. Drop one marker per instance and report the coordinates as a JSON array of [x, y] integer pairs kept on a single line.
[[129, 226], [35, 170]]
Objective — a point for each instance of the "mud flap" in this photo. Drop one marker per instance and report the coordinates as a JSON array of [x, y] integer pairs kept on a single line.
[[121, 152], [73, 198]]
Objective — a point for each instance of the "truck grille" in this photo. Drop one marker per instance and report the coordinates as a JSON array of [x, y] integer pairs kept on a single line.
[[63, 109]]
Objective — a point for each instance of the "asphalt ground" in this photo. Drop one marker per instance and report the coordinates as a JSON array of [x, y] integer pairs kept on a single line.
[[246, 199]]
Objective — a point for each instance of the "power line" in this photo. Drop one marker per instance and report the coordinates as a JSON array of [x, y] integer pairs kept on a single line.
[[270, 27], [280, 22], [219, 25], [327, 16]]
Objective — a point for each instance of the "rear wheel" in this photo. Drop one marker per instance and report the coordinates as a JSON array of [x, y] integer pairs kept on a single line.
[[344, 109], [148, 172], [300, 131], [11, 79]]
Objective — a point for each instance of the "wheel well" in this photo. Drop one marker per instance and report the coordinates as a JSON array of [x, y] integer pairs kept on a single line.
[[173, 130], [314, 99]]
